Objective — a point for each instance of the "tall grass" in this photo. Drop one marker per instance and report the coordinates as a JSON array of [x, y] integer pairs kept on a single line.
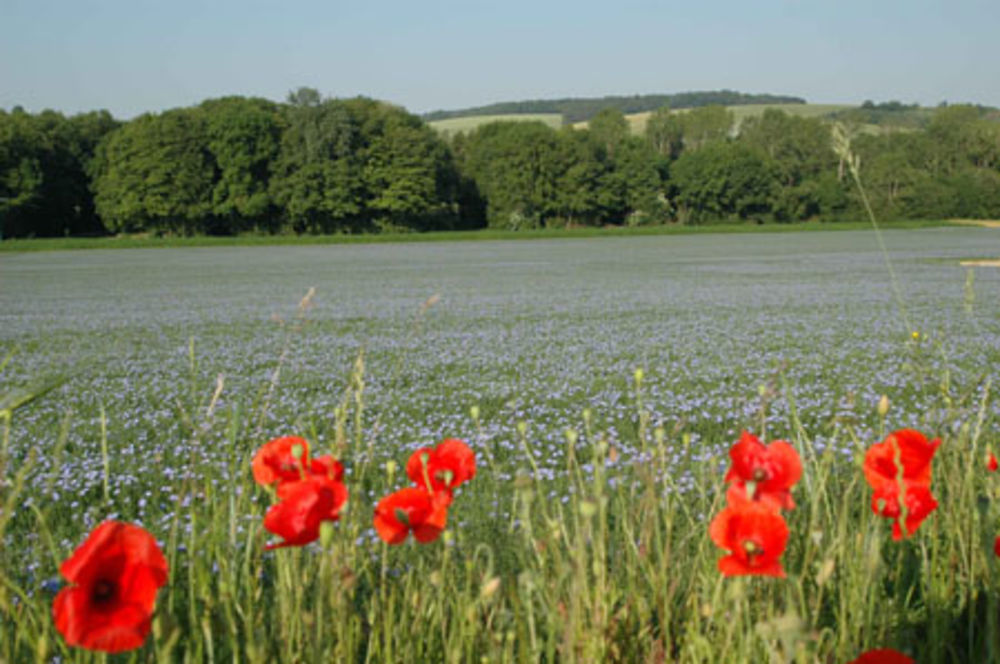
[[622, 571]]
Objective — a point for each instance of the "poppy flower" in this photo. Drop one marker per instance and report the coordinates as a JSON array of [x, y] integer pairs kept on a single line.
[[755, 536], [883, 656], [327, 465], [448, 465], [996, 546], [412, 509], [281, 460], [772, 469], [115, 574], [991, 463], [919, 504], [303, 507], [915, 455]]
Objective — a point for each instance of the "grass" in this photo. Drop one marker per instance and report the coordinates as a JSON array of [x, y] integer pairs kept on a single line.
[[583, 537], [145, 241], [471, 122]]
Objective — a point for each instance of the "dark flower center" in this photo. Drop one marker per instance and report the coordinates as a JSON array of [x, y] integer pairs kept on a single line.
[[752, 549], [103, 591], [759, 475]]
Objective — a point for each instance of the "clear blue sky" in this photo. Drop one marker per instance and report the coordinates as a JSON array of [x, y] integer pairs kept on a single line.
[[139, 55]]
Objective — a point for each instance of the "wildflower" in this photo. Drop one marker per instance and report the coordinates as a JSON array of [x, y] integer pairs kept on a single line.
[[996, 546], [899, 471], [115, 574], [914, 453], [412, 509], [327, 465], [883, 656], [765, 472], [281, 460], [755, 536], [303, 506], [917, 499], [442, 468], [991, 463]]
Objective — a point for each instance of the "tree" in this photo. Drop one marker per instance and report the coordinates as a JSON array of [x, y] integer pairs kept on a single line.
[[44, 182], [665, 133], [244, 136], [609, 129], [724, 181], [316, 178], [517, 167], [410, 178], [156, 173], [800, 149], [706, 125]]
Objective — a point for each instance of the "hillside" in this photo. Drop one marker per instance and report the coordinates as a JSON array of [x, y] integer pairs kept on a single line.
[[449, 126], [577, 109]]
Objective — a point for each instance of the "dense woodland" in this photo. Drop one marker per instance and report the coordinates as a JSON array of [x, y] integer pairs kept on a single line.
[[315, 165]]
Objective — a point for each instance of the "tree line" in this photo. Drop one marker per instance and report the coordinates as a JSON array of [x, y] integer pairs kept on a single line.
[[314, 165], [578, 109]]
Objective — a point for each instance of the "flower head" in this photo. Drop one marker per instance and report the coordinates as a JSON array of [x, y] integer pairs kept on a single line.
[[771, 470], [115, 574], [412, 509], [883, 656], [755, 536], [917, 499], [991, 462], [303, 507], [283, 459], [912, 449], [443, 467]]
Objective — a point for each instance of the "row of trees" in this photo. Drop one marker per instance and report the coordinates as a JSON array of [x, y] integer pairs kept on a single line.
[[315, 165], [577, 109]]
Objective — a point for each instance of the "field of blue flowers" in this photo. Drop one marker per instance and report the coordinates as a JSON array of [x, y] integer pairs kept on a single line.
[[163, 370]]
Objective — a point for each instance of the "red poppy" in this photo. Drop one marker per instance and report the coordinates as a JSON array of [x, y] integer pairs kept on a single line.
[[281, 460], [413, 509], [915, 455], [991, 463], [447, 465], [996, 546], [303, 507], [919, 504], [755, 536], [327, 465], [115, 574], [772, 469], [883, 656]]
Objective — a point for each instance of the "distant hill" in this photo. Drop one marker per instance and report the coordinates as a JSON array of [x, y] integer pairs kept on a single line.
[[637, 121], [578, 109], [467, 123]]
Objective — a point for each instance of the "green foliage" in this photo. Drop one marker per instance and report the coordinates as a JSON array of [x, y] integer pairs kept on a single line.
[[665, 133], [706, 125], [44, 182], [244, 165], [156, 173], [516, 167], [577, 109], [724, 181], [803, 159], [316, 177], [244, 136]]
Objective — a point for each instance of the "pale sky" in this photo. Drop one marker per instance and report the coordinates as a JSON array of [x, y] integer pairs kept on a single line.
[[135, 56]]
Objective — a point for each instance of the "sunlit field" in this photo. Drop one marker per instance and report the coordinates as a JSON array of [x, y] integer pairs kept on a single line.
[[601, 384]]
